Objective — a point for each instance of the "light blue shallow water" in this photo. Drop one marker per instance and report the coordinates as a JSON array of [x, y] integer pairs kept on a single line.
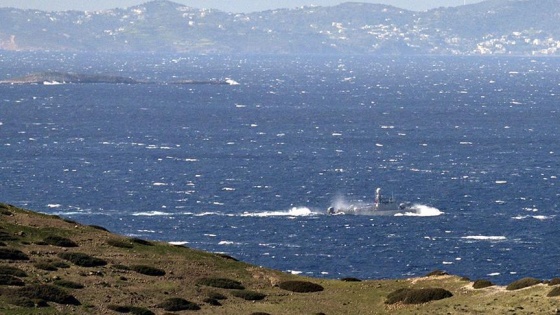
[[249, 169]]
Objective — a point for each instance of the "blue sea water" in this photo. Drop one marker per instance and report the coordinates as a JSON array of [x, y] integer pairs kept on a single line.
[[249, 169]]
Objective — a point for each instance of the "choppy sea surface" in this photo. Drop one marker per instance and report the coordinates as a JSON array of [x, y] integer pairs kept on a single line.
[[250, 169]]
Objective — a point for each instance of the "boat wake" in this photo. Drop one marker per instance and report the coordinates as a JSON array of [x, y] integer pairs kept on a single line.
[[421, 211], [294, 212]]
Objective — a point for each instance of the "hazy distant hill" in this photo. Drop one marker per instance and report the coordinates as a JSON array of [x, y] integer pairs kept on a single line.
[[517, 27]]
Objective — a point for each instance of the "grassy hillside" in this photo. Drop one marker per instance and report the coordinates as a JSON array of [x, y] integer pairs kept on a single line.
[[49, 265]]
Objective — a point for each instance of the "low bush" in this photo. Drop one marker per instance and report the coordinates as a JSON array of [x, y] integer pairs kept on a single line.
[[554, 281], [4, 210], [48, 293], [121, 267], [12, 271], [351, 279], [140, 241], [119, 308], [97, 227], [178, 304], [228, 257], [216, 296], [480, 284], [436, 273], [300, 286], [59, 241], [60, 264], [134, 310], [259, 313], [12, 254], [523, 283], [21, 301], [11, 280], [554, 292], [68, 284], [119, 243], [147, 270], [417, 296], [5, 236], [222, 283], [212, 302], [82, 260], [248, 295], [43, 265]]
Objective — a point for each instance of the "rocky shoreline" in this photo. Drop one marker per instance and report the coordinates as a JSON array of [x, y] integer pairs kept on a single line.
[[53, 265]]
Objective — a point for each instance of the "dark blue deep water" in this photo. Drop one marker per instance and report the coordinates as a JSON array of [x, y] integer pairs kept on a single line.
[[249, 169]]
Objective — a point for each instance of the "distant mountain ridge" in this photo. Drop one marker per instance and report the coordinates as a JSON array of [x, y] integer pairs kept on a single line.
[[503, 27]]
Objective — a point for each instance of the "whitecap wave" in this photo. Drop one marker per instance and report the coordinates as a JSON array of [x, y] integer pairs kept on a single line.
[[484, 238], [150, 214], [294, 212]]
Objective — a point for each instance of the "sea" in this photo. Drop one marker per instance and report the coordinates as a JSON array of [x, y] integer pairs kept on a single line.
[[249, 169]]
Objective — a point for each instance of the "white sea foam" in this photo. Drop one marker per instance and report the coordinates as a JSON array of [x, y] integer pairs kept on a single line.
[[422, 211], [150, 214], [294, 212], [54, 205], [484, 238]]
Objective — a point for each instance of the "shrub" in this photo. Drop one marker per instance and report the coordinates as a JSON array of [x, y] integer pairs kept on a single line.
[[554, 281], [11, 280], [97, 227], [351, 279], [140, 241], [4, 209], [60, 264], [59, 241], [212, 302], [259, 313], [134, 310], [12, 254], [300, 286], [436, 273], [21, 301], [68, 284], [119, 243], [147, 270], [480, 284], [43, 265], [417, 296], [121, 267], [119, 308], [178, 304], [228, 257], [523, 283], [554, 292], [216, 296], [222, 283], [48, 293], [12, 271], [5, 236], [248, 295], [83, 260]]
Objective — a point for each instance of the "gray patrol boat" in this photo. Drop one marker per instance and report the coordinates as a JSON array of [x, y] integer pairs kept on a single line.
[[381, 206]]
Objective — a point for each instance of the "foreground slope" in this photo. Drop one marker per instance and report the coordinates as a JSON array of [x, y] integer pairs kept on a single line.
[[49, 265]]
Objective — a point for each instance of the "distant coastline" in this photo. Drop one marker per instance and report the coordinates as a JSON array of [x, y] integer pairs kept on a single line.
[[56, 78]]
